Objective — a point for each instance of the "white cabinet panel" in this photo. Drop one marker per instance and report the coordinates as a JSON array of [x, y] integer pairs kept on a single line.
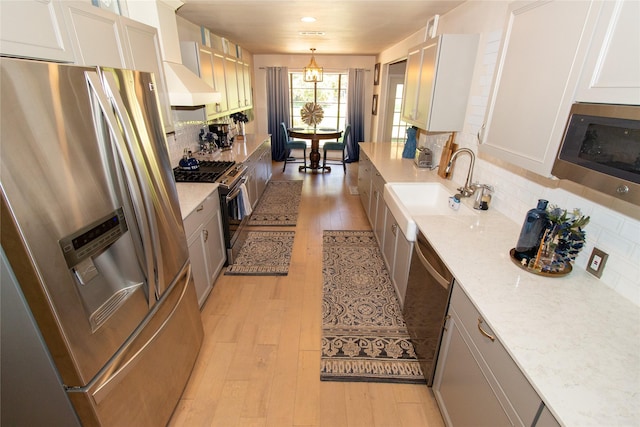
[[34, 29], [437, 83], [538, 69], [95, 35], [144, 54], [612, 69], [231, 76]]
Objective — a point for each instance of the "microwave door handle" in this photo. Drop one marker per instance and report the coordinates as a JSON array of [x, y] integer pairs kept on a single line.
[[140, 210], [113, 94]]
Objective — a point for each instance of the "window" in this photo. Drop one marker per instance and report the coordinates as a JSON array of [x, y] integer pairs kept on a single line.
[[331, 95]]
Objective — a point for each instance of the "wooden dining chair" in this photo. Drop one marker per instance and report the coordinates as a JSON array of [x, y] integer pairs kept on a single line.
[[337, 146], [291, 144]]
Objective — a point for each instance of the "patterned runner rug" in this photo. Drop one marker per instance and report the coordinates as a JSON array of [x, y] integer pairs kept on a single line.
[[264, 253], [278, 204], [364, 337]]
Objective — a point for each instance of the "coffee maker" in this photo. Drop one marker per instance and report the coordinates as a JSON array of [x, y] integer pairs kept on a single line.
[[221, 135]]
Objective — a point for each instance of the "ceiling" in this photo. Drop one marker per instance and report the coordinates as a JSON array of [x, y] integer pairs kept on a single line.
[[362, 27]]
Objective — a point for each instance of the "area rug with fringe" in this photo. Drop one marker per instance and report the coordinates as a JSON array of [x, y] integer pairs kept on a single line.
[[278, 204], [264, 253], [364, 336]]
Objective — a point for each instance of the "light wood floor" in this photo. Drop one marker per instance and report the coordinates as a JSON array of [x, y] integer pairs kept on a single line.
[[260, 361]]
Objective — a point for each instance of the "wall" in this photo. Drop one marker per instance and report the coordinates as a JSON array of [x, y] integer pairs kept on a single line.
[[518, 190], [297, 63]]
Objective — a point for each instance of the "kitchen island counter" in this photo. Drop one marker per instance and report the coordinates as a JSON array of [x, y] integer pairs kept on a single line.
[[575, 339]]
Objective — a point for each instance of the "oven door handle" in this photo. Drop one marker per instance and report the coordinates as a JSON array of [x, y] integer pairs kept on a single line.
[[235, 192]]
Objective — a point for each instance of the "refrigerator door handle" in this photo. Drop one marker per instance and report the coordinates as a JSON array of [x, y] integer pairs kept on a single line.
[[140, 211], [110, 87]]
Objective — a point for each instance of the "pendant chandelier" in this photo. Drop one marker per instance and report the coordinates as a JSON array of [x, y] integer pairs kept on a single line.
[[312, 72]]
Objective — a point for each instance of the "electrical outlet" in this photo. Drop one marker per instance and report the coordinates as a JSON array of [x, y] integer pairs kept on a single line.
[[596, 262]]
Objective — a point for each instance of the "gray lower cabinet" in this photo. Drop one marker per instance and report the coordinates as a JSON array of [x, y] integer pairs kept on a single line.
[[364, 183], [258, 171], [476, 382], [378, 214], [396, 251], [203, 228]]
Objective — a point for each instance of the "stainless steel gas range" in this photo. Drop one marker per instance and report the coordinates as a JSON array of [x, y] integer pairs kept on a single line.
[[230, 176]]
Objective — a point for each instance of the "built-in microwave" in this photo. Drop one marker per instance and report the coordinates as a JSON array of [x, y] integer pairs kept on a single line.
[[601, 149]]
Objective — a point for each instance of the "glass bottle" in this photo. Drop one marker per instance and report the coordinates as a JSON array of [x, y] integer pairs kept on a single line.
[[533, 228]]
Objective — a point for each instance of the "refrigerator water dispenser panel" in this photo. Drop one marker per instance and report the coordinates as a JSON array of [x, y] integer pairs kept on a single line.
[[93, 238]]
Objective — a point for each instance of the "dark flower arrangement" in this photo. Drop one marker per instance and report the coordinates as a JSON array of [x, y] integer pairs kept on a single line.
[[239, 117], [565, 237]]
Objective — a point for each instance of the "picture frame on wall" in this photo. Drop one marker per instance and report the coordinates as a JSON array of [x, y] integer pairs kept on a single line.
[[376, 74], [374, 105]]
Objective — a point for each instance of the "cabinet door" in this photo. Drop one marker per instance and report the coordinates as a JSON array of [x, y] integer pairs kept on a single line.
[[246, 74], [214, 248], [536, 76], [462, 391], [144, 54], [412, 85], [364, 183], [95, 35], [220, 81], [197, 256], [612, 69], [389, 240], [231, 75], [402, 262], [34, 29], [378, 207]]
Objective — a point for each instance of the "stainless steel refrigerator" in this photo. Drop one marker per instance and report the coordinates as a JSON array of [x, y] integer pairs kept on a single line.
[[92, 230]]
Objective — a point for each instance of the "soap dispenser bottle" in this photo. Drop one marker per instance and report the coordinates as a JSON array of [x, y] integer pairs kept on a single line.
[[535, 222]]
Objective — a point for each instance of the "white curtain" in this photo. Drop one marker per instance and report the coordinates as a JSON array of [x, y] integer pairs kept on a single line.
[[278, 109], [355, 113]]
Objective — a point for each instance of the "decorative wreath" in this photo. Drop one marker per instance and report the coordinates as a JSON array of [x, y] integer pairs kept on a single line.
[[312, 114]]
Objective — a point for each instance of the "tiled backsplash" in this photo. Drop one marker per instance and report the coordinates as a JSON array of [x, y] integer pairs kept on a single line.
[[186, 137]]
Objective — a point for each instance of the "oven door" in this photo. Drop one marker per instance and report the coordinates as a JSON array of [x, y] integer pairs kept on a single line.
[[234, 218]]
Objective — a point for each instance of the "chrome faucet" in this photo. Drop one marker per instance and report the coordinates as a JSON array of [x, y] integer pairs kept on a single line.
[[468, 188]]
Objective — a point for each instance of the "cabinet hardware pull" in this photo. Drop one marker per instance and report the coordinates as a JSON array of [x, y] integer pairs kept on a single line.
[[206, 235], [483, 332], [394, 227], [200, 208], [444, 323]]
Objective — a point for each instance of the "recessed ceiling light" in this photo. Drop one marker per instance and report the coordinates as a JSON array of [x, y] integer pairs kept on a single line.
[[308, 19]]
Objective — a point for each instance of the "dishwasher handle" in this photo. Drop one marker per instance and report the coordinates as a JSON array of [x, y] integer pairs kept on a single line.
[[432, 271]]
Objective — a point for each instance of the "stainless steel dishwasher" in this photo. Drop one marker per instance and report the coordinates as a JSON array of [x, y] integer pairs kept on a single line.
[[426, 303]]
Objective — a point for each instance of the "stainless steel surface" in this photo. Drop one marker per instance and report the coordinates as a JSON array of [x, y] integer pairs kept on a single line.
[[426, 302], [468, 188], [82, 150], [618, 183]]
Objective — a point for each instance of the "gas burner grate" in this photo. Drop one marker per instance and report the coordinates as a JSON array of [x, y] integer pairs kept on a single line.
[[208, 171]]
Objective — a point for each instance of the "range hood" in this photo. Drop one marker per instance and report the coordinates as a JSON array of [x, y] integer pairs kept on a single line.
[[185, 88]]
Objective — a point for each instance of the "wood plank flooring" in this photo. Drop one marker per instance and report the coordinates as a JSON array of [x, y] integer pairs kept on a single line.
[[260, 360]]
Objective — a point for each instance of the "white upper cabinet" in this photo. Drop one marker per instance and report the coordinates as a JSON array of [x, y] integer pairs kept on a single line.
[[437, 82], [209, 66], [231, 75], [612, 69], [543, 49], [143, 53], [95, 35], [100, 37], [34, 29]]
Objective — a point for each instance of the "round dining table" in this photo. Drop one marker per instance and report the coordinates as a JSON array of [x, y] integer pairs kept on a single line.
[[315, 135]]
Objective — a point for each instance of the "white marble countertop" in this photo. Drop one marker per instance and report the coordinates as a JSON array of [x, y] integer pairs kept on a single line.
[[191, 194], [575, 339]]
